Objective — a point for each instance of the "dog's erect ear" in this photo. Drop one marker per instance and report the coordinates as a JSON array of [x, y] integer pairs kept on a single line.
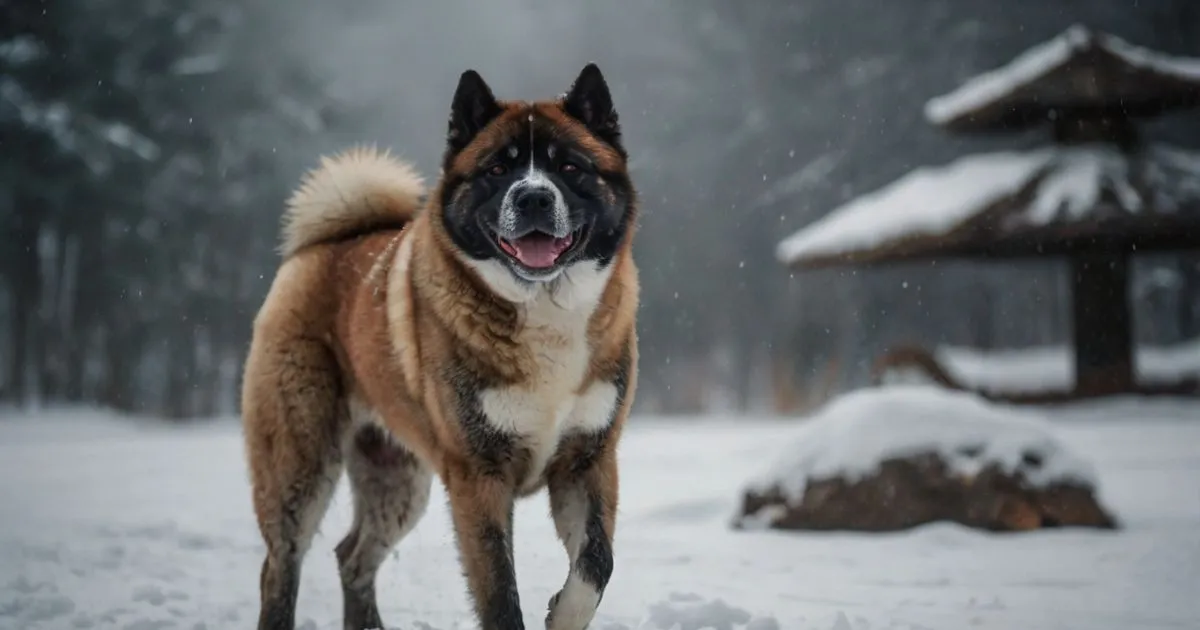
[[472, 109], [590, 102]]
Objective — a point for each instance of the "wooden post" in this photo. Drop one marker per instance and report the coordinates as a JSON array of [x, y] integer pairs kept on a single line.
[[1103, 323]]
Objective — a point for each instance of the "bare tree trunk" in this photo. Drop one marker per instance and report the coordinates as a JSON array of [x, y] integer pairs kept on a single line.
[[181, 373], [18, 386], [26, 283], [120, 360], [55, 318], [65, 317]]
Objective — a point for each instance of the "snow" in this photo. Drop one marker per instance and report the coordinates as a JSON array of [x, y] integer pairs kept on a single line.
[[1044, 58], [806, 178], [1173, 177], [929, 200], [53, 118], [72, 131], [110, 523], [1184, 68], [1024, 68], [128, 138], [1069, 180], [857, 432], [207, 63], [1047, 369], [1074, 187], [21, 50]]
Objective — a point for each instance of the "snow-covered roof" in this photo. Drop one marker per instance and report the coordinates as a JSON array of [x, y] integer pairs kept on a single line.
[[1040, 188], [1076, 50], [855, 433]]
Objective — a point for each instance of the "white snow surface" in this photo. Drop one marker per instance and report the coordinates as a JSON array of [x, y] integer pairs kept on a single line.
[[1052, 368], [928, 200], [851, 436], [108, 523], [1044, 58], [934, 200]]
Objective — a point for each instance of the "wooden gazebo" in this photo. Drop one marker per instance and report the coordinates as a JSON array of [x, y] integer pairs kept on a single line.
[[1097, 194]]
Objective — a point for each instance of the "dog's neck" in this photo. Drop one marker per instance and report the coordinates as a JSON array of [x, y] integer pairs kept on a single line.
[[445, 283], [428, 282], [489, 289], [573, 293]]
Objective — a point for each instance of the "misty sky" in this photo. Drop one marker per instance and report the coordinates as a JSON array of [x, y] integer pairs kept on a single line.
[[400, 61]]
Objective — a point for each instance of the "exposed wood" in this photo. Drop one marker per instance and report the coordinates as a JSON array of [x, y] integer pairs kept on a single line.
[[1112, 127], [1103, 322]]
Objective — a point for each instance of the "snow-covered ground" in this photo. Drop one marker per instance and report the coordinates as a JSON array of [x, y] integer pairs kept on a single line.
[[1052, 368], [110, 524]]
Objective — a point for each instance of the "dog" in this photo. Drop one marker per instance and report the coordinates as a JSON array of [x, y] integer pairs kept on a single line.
[[482, 331]]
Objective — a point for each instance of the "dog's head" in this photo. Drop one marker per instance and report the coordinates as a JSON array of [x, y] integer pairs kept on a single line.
[[532, 192]]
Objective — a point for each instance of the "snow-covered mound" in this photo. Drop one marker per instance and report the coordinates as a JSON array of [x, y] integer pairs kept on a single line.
[[896, 456], [855, 433]]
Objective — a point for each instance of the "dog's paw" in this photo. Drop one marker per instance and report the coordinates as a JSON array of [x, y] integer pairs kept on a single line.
[[571, 609], [550, 607]]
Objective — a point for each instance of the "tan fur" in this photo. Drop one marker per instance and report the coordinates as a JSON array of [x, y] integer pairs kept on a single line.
[[368, 319], [356, 190]]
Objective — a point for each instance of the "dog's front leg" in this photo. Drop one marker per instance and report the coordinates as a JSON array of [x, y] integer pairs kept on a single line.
[[583, 500], [482, 506]]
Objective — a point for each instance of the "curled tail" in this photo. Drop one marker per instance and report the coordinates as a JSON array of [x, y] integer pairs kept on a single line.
[[351, 192]]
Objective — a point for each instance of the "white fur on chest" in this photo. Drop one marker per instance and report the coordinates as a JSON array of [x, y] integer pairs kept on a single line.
[[550, 404]]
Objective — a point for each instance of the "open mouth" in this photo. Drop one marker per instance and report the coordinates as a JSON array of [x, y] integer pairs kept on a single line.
[[538, 250]]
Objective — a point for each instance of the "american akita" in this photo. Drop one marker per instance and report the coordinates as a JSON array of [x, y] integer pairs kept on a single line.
[[485, 335]]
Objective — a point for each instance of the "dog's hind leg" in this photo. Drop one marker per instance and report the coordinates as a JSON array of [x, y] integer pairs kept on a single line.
[[293, 419], [391, 491]]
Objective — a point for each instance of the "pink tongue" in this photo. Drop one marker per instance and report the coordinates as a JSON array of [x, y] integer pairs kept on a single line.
[[538, 250]]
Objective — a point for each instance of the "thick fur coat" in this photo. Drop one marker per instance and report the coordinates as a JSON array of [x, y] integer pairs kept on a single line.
[[481, 332]]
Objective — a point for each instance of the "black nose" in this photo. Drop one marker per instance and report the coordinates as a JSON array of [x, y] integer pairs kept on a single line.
[[535, 199]]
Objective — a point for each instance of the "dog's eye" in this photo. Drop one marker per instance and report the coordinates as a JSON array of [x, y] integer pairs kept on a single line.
[[497, 170], [568, 167]]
